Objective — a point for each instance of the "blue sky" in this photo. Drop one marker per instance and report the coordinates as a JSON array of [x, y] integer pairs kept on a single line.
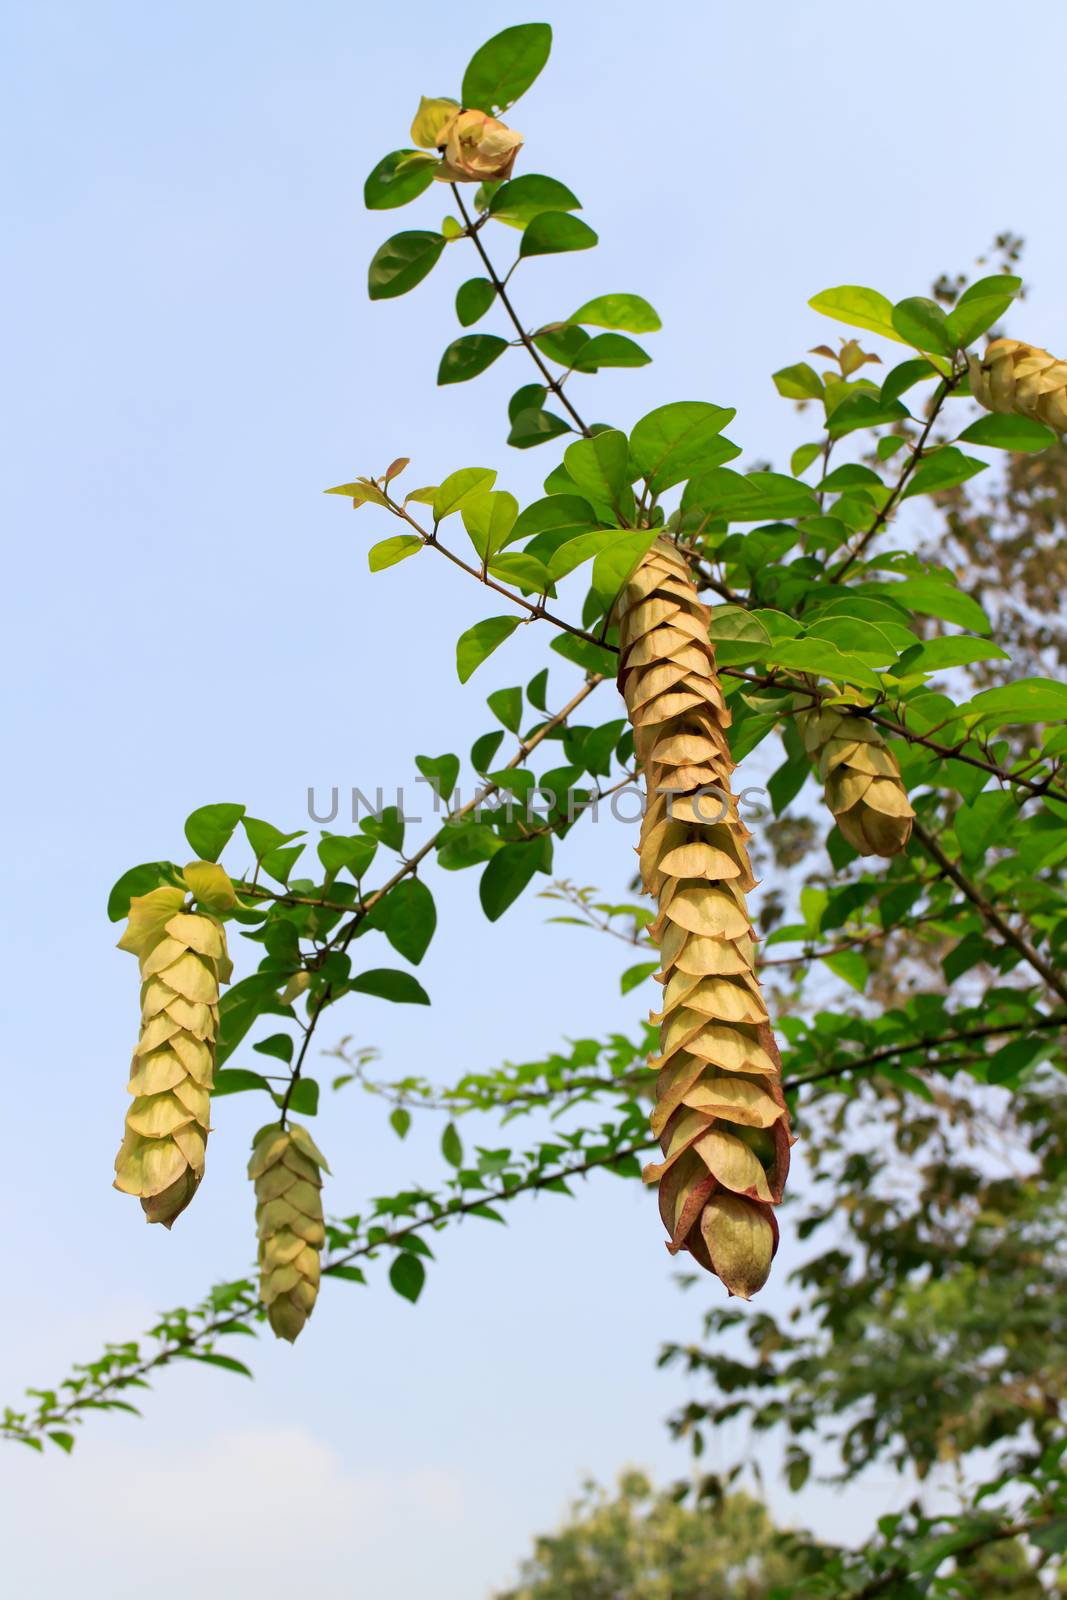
[[191, 359]]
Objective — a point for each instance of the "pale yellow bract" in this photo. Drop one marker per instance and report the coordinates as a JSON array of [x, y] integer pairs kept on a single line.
[[286, 1168], [864, 789], [183, 960], [1013, 376], [720, 1114]]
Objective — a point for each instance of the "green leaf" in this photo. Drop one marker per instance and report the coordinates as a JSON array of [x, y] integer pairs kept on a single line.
[[139, 880], [799, 382], [340, 854], [236, 1080], [531, 397], [506, 706], [485, 748], [614, 564], [823, 658], [489, 519], [585, 654], [408, 917], [931, 597], [212, 1358], [944, 469], [921, 322], [210, 828], [433, 113], [458, 487], [849, 476], [610, 350], [452, 1146], [241, 1004], [952, 650], [362, 492], [389, 551], [738, 636], [537, 690], [551, 232], [599, 468], [407, 1275], [670, 443], [751, 497], [388, 984], [279, 1045], [859, 308], [980, 306], [466, 357], [523, 198], [534, 426], [402, 262], [1009, 432], [479, 642], [279, 862], [473, 300], [400, 1121], [559, 516], [387, 826], [904, 376], [628, 312], [861, 409], [442, 771], [398, 178], [635, 975], [304, 1099], [850, 966], [515, 566], [507, 875], [1028, 700], [505, 67], [802, 458], [264, 836], [983, 822]]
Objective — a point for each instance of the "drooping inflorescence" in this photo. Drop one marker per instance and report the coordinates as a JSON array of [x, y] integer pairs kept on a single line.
[[720, 1114], [286, 1168], [1013, 376], [183, 960], [863, 786]]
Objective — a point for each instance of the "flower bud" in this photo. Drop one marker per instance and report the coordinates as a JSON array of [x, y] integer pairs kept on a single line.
[[476, 148]]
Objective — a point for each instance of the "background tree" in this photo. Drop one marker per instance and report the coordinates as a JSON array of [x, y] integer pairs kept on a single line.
[[648, 1545]]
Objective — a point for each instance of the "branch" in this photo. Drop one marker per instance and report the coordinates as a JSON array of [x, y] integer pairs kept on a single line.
[[502, 294], [344, 938], [929, 1042], [990, 914], [536, 610], [902, 1571], [197, 1343], [944, 389]]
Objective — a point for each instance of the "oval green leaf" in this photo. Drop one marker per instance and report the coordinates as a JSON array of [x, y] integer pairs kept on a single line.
[[402, 262], [505, 66]]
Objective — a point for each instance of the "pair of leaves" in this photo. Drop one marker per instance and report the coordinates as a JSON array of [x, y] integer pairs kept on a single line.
[[918, 321]]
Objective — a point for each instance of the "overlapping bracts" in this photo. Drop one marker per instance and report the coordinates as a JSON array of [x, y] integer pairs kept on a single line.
[[1013, 376], [286, 1168], [183, 960], [863, 786], [720, 1114]]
